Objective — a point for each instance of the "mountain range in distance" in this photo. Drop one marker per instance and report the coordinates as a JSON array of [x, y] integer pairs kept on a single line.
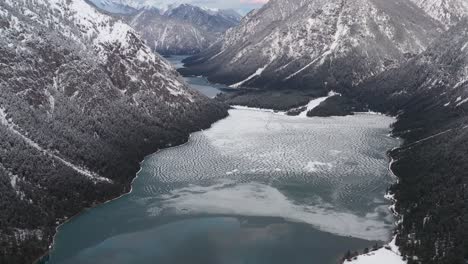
[[173, 28]]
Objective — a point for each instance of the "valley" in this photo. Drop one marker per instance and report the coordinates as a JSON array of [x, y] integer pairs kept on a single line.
[[323, 131], [257, 186]]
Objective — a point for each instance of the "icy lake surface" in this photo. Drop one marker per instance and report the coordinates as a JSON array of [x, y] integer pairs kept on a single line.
[[258, 187]]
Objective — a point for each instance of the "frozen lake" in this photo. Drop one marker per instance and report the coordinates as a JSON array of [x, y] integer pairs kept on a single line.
[[258, 187]]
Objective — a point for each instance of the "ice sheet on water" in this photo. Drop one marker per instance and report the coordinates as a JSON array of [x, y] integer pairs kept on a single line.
[[256, 199]]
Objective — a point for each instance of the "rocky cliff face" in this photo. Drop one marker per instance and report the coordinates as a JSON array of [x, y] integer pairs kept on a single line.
[[317, 44], [82, 101]]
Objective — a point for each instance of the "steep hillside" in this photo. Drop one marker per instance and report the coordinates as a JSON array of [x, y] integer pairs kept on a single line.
[[430, 96], [82, 101], [317, 45]]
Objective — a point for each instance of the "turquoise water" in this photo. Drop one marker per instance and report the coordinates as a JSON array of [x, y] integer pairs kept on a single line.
[[199, 83]]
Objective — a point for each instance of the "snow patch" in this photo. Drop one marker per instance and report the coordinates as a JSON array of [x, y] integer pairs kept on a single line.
[[389, 254], [247, 108], [464, 47], [462, 101], [316, 102], [258, 72]]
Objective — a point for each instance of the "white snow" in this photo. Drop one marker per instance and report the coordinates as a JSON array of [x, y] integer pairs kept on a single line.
[[340, 32], [462, 102], [316, 102], [258, 72], [464, 47], [303, 68], [386, 255], [240, 107]]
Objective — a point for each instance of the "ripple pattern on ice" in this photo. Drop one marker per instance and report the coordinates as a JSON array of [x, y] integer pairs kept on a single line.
[[324, 171]]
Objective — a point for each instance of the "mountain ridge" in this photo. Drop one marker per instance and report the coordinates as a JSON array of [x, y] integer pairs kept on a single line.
[[175, 29], [317, 45]]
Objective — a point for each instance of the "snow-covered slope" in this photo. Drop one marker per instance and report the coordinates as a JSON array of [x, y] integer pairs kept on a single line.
[[82, 101], [440, 74], [449, 12], [317, 44]]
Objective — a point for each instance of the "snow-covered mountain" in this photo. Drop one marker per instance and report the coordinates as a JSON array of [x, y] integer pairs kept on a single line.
[[172, 27], [82, 101], [449, 12], [114, 6], [182, 29], [211, 20], [440, 72], [317, 44], [141, 4]]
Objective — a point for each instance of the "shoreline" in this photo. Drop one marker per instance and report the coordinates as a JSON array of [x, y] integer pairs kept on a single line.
[[186, 141], [389, 197]]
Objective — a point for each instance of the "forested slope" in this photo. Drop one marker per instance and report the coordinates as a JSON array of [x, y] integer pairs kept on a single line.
[[82, 101], [429, 95]]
